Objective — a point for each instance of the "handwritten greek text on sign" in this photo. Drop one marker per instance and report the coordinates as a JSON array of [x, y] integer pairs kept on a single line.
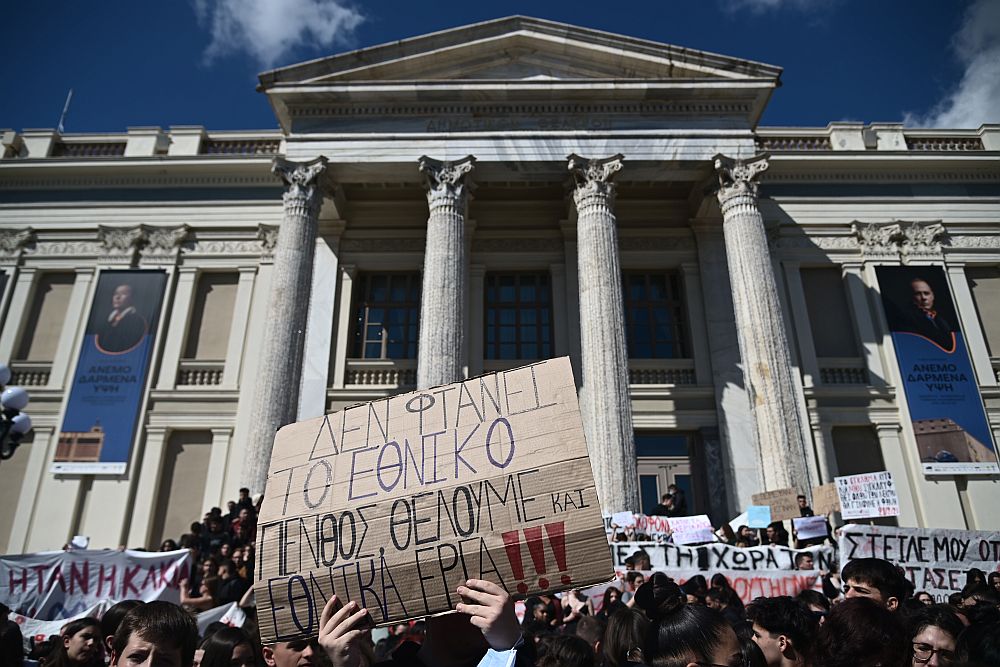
[[395, 503], [867, 495]]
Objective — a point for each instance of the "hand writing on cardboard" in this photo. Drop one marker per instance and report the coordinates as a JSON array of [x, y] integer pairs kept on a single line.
[[491, 610], [341, 632]]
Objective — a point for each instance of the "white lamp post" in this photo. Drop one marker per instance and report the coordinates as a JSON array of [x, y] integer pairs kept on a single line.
[[14, 424]]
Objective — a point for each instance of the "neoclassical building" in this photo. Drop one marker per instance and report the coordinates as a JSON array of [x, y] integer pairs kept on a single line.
[[473, 200]]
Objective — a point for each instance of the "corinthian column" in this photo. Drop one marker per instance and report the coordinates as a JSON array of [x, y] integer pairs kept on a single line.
[[277, 393], [767, 366], [604, 397], [442, 315]]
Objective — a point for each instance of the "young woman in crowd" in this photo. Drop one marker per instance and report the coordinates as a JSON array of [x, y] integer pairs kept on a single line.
[[206, 598], [82, 645], [231, 647], [610, 602], [680, 633], [575, 606], [624, 637], [934, 632]]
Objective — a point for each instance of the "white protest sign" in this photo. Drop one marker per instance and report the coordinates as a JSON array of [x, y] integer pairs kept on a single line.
[[867, 495], [56, 585], [394, 503], [666, 556], [692, 529], [809, 527], [936, 560], [623, 519]]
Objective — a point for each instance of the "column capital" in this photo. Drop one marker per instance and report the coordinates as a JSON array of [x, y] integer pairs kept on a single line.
[[13, 241], [738, 177], [594, 176], [303, 182], [445, 179]]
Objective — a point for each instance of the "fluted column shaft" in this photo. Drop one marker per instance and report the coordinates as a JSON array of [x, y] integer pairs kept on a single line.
[[605, 402], [767, 366], [276, 395], [442, 300]]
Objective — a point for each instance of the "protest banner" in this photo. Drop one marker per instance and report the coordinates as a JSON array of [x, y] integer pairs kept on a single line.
[[57, 585], [396, 502], [809, 527], [718, 556], [758, 516], [38, 629], [825, 500], [692, 529], [946, 411], [230, 614], [867, 495], [936, 560], [783, 503], [105, 400]]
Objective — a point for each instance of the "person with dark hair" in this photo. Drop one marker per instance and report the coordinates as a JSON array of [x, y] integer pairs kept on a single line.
[[155, 633], [11, 640], [784, 628], [591, 630], [575, 606], [231, 647], [775, 535], [923, 597], [624, 637], [973, 594], [980, 644], [232, 587], [633, 579], [817, 603], [993, 581], [81, 645], [564, 651], [680, 633], [206, 598], [804, 509], [745, 537], [860, 632], [877, 579], [804, 560], [722, 601], [975, 578], [168, 545], [610, 602], [112, 618], [752, 655], [720, 583], [934, 632]]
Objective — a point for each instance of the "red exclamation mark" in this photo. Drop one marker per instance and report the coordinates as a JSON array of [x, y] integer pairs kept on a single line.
[[533, 536], [512, 544], [557, 538]]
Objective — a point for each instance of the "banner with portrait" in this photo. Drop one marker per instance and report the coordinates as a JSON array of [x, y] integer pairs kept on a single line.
[[946, 410], [107, 392]]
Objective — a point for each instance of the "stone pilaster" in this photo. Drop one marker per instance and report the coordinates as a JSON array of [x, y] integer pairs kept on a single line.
[[604, 395], [767, 366], [277, 380], [442, 300]]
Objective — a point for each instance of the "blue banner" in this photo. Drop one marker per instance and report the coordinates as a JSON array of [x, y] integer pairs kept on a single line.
[[109, 385], [946, 409]]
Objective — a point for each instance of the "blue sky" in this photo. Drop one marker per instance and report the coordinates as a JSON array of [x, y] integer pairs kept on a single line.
[[194, 62]]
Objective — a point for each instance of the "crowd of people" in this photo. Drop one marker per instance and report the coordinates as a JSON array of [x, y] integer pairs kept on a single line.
[[873, 617]]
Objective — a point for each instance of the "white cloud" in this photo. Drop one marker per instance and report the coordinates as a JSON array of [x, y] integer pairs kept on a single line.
[[976, 98], [268, 30]]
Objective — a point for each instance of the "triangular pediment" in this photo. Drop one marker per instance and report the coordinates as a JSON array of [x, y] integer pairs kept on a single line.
[[519, 49]]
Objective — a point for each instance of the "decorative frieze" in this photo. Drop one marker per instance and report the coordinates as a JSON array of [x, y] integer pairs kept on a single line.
[[163, 244], [899, 239], [383, 245], [519, 245], [119, 245]]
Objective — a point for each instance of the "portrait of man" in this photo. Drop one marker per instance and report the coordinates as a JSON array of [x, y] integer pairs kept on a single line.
[[124, 327], [915, 308]]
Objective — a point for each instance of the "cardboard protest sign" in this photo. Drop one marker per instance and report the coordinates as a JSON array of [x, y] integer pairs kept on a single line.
[[692, 529], [783, 503], [936, 560], [396, 502], [809, 527], [867, 495], [825, 499], [758, 516]]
